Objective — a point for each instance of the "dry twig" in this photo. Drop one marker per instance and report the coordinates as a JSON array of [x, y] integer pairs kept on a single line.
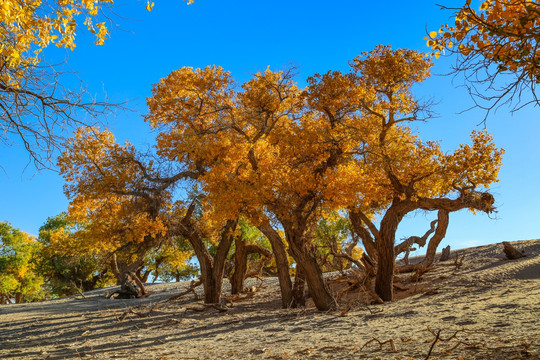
[[381, 343]]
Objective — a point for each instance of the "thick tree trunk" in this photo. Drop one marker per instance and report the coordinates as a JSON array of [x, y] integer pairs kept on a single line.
[[212, 286], [282, 264], [212, 269], [386, 256], [317, 287]]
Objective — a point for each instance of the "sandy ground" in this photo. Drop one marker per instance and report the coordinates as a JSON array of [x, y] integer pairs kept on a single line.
[[488, 308]]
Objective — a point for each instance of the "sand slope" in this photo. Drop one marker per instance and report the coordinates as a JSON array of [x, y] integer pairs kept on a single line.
[[489, 308]]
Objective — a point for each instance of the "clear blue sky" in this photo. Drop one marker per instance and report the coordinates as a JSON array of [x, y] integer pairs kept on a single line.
[[245, 36]]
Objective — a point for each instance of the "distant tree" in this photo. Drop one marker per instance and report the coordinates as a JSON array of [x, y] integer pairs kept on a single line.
[[65, 268], [497, 48], [19, 281], [170, 262]]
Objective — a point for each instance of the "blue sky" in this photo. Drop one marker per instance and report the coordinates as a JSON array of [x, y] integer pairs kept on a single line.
[[246, 36]]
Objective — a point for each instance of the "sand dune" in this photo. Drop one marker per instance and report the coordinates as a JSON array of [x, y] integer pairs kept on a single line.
[[488, 308]]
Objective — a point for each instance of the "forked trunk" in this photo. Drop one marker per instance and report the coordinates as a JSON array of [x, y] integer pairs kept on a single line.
[[212, 269], [317, 287]]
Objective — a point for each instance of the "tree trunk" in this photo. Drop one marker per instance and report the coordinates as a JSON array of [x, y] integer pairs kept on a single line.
[[18, 297], [386, 255], [445, 256], [363, 233], [282, 264], [299, 297], [240, 266], [317, 287], [212, 269]]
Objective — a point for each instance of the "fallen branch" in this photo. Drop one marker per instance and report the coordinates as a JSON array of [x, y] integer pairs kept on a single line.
[[218, 307], [417, 276], [381, 343], [433, 344], [191, 289], [138, 313]]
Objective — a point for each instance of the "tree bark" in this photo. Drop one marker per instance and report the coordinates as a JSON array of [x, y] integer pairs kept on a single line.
[[317, 287], [240, 266], [282, 264], [299, 288], [386, 254], [363, 233], [212, 269]]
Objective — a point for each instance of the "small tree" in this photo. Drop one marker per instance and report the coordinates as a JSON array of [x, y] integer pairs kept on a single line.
[[65, 268], [19, 281]]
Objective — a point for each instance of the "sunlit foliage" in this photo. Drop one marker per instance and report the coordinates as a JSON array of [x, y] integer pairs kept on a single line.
[[19, 280], [501, 37]]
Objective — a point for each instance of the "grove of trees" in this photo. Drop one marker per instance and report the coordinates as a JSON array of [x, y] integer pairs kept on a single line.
[[281, 158], [261, 175]]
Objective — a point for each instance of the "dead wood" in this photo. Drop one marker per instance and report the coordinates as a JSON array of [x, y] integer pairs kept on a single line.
[[381, 343], [433, 344], [399, 287], [138, 313], [126, 291], [458, 262], [511, 252], [191, 289], [445, 256], [374, 295], [417, 276], [204, 307]]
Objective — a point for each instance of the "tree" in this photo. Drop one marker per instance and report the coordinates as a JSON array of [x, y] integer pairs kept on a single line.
[[19, 280], [247, 244], [64, 267], [206, 123], [169, 262], [497, 47], [402, 173], [122, 197], [284, 157]]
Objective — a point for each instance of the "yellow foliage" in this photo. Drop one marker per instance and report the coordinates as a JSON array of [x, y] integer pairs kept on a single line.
[[503, 32]]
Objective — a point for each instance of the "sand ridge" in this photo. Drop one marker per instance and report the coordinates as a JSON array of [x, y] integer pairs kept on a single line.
[[488, 308]]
